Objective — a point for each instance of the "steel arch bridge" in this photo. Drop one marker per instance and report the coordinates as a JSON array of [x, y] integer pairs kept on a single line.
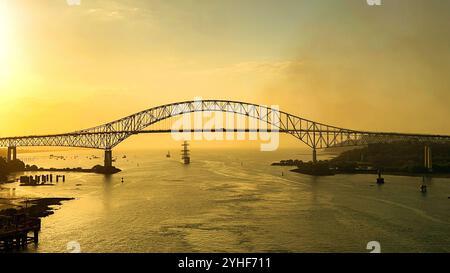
[[314, 134]]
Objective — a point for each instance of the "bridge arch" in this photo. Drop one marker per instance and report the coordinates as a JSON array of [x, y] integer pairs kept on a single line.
[[116, 131], [314, 134]]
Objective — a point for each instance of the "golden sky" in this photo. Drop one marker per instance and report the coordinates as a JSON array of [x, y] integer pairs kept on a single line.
[[344, 63]]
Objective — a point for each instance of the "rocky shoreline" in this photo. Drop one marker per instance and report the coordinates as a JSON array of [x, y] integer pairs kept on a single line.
[[37, 207], [372, 172], [326, 168]]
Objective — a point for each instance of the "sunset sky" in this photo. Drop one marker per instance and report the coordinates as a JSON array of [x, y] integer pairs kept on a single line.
[[344, 63]]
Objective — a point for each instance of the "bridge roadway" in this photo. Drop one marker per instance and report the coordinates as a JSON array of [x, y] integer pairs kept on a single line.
[[314, 134]]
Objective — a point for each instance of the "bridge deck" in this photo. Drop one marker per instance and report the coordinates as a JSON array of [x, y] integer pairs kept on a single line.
[[314, 134]]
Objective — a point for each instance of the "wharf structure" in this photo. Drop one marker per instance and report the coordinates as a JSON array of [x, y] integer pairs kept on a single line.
[[17, 231]]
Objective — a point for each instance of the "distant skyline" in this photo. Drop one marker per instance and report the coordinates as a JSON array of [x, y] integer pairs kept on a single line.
[[344, 63]]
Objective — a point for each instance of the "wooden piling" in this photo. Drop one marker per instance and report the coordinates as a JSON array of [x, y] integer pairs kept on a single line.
[[15, 235]]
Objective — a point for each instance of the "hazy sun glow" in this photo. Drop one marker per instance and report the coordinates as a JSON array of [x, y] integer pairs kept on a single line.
[[67, 67], [4, 41]]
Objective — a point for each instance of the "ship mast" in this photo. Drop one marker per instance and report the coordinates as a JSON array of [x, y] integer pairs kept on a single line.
[[185, 157]]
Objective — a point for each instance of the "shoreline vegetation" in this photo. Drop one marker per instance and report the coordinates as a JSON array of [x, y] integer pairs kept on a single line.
[[399, 158]]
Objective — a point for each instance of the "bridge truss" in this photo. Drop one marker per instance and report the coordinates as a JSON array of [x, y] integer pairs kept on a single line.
[[314, 134]]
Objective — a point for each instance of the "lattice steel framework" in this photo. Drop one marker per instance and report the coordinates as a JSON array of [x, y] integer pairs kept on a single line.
[[314, 134]]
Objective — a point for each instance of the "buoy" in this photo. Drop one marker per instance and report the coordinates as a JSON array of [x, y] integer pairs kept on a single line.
[[380, 180]]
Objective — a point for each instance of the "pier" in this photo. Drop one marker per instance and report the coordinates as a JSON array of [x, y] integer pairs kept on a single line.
[[39, 180], [17, 231]]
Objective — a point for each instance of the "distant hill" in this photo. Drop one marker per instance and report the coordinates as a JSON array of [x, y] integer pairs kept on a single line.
[[398, 156], [339, 150]]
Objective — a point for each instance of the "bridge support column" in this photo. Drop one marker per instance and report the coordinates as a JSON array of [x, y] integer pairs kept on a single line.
[[428, 163], [12, 154], [314, 155], [108, 158]]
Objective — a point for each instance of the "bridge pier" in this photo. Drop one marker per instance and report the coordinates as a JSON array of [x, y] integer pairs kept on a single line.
[[428, 163], [12, 154], [314, 155], [108, 158]]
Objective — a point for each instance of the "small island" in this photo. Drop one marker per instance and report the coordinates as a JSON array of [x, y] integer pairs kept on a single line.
[[399, 158], [19, 166]]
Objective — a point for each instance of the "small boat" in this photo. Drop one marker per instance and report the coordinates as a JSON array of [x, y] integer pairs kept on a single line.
[[423, 188], [168, 154]]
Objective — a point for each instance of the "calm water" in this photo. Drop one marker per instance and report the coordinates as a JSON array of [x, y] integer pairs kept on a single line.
[[234, 201]]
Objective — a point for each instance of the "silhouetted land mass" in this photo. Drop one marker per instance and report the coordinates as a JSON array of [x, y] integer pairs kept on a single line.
[[393, 158], [105, 170], [9, 167], [19, 166], [40, 207], [321, 168], [95, 169]]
